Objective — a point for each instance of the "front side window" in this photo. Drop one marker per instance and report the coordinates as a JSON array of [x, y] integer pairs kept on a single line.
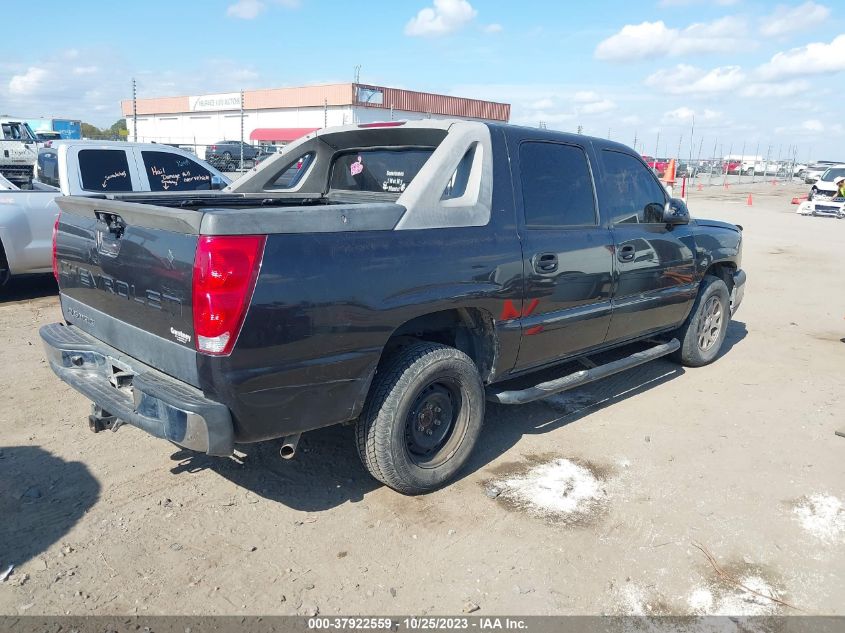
[[16, 132], [630, 194], [104, 170], [378, 170], [173, 172], [557, 187]]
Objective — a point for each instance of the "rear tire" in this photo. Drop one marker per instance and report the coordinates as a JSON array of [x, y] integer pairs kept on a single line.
[[422, 418], [703, 333]]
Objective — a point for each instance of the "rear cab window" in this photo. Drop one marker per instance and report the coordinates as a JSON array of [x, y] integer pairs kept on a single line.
[[557, 185], [167, 171], [385, 171], [105, 170]]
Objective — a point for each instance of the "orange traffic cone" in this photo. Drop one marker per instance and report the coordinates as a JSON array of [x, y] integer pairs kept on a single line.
[[750, 200], [669, 176]]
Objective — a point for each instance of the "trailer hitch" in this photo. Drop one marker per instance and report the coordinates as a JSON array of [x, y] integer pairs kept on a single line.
[[102, 420]]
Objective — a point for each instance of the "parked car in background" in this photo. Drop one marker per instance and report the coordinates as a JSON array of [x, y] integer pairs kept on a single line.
[[823, 188], [731, 167], [88, 168], [225, 155], [815, 170], [658, 165], [265, 152], [686, 170], [709, 167], [760, 168]]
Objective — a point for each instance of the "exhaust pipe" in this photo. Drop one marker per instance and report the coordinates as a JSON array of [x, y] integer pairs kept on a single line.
[[289, 443]]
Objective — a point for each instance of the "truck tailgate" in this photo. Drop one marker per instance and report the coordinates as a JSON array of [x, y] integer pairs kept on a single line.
[[125, 276]]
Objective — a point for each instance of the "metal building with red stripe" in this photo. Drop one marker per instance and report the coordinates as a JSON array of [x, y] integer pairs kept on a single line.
[[277, 116]]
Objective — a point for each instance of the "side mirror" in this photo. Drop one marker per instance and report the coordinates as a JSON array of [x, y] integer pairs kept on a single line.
[[676, 212], [218, 183]]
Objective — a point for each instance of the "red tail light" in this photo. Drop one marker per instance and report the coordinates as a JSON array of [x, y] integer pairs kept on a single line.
[[55, 259], [225, 272]]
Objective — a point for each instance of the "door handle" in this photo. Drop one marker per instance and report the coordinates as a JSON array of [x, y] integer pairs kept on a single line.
[[545, 263], [626, 253]]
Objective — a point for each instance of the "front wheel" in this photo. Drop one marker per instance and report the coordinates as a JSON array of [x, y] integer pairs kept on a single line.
[[703, 333], [422, 418]]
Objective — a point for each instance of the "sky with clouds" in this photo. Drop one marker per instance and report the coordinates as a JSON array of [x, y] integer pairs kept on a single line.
[[745, 72]]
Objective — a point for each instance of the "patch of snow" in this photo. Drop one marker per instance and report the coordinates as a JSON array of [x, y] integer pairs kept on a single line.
[[560, 488], [634, 600], [823, 516], [735, 600], [701, 601]]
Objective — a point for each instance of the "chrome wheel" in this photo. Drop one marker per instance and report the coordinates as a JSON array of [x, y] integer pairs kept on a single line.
[[710, 324]]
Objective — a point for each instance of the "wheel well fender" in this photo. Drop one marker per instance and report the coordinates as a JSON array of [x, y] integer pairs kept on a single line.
[[724, 271], [470, 330]]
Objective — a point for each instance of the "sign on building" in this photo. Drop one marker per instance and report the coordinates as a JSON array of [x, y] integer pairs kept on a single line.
[[207, 103], [366, 95]]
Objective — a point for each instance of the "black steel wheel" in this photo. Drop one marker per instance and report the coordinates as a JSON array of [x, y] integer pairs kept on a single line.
[[431, 423], [422, 417]]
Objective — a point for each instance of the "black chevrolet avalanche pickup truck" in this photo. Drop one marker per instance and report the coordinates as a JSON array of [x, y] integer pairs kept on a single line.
[[396, 276]]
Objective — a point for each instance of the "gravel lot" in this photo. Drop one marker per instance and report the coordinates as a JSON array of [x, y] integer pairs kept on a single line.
[[659, 491]]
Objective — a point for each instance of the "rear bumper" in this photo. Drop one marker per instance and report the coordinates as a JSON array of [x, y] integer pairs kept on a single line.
[[137, 394], [738, 291]]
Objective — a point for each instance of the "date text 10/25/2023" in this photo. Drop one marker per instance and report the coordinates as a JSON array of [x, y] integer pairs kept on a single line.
[[423, 623]]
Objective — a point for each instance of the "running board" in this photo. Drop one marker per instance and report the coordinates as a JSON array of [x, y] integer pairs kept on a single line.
[[545, 389]]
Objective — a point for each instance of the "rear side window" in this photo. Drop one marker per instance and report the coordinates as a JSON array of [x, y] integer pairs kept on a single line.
[[557, 188], [457, 185], [173, 172], [104, 170], [378, 170], [630, 193], [290, 176]]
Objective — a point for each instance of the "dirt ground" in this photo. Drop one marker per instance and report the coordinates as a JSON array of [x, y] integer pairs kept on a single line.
[[662, 467]]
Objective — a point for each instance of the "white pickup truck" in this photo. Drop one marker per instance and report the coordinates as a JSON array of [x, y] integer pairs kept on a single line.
[[18, 151], [90, 168]]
